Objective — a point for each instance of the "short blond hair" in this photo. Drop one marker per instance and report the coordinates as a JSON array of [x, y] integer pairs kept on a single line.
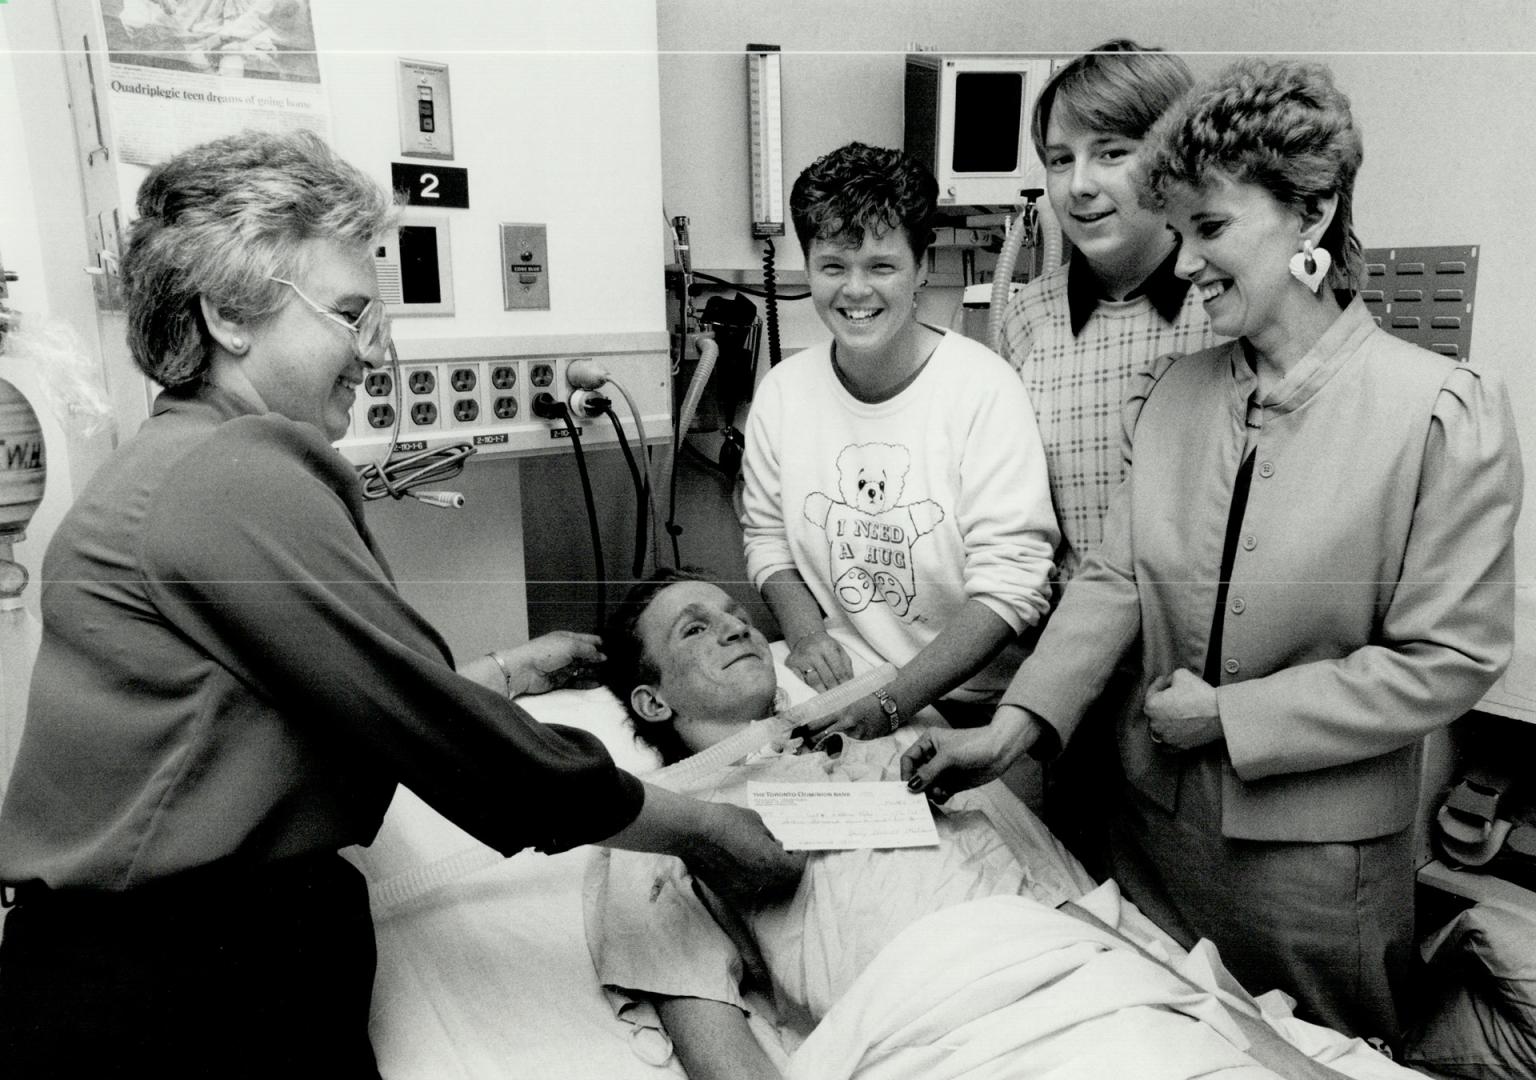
[[1118, 88]]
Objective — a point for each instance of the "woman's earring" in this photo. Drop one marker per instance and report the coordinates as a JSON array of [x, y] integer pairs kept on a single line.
[[1310, 265], [237, 345]]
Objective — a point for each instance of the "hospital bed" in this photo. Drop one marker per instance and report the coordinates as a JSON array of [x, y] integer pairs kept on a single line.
[[484, 970]]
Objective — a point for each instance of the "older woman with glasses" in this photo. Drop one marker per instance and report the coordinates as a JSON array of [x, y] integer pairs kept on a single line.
[[230, 687]]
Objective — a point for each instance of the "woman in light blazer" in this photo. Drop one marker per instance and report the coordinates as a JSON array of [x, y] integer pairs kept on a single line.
[[1312, 554]]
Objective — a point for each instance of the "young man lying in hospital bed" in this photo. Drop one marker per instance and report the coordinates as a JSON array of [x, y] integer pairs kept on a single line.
[[943, 961]]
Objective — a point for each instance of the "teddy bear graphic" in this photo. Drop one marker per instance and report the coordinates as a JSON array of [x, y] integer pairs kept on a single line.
[[869, 535]]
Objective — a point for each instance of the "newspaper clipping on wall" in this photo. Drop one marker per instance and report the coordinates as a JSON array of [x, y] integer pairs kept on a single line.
[[181, 72]]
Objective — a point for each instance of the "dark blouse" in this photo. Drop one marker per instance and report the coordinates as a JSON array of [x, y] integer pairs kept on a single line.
[[227, 671]]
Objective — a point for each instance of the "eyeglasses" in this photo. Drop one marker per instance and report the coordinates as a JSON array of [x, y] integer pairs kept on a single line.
[[369, 331]]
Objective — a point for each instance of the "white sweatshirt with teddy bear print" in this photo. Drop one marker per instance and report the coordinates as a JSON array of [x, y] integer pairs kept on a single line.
[[898, 513]]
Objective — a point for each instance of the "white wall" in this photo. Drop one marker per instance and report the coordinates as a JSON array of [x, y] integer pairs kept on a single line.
[[556, 117], [547, 96]]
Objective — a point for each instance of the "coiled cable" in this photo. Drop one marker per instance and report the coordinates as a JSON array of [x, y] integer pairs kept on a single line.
[[771, 305], [396, 478]]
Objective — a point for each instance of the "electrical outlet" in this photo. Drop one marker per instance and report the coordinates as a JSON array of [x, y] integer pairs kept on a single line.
[[503, 387], [423, 415], [422, 398], [380, 416], [464, 402], [546, 390], [541, 375], [379, 384]]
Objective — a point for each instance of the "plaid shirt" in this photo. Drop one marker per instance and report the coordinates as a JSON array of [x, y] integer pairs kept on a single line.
[[1077, 382]]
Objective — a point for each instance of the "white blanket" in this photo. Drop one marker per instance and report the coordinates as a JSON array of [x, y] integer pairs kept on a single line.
[[1006, 988]]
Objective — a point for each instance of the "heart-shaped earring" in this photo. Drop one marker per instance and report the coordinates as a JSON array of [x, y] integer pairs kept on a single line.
[[1310, 265]]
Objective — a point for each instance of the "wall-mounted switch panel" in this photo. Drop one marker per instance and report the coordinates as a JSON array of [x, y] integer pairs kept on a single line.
[[524, 267], [426, 119]]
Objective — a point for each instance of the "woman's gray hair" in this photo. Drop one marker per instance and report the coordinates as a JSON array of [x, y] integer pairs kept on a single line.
[[1283, 126], [220, 221]]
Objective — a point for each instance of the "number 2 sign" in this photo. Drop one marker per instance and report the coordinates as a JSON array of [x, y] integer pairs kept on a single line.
[[431, 185]]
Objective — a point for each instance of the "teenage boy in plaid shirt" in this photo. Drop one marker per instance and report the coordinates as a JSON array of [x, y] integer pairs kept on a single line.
[[1079, 335]]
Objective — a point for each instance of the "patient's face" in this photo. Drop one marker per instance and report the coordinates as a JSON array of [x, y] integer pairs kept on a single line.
[[715, 667]]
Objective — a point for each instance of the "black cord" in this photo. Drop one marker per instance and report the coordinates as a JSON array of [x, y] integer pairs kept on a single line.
[[674, 530], [749, 290], [771, 315], [642, 491], [586, 494]]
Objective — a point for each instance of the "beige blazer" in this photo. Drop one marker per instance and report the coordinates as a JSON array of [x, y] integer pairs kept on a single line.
[[1372, 594]]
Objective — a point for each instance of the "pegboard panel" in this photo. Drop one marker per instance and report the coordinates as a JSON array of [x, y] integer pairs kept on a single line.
[[1424, 295]]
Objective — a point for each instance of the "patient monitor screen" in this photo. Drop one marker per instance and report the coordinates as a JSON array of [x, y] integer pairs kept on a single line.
[[987, 130]]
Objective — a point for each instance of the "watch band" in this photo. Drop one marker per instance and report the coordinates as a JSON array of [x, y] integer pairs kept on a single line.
[[888, 706]]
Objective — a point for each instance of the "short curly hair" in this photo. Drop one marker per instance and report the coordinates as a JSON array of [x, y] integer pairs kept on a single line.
[[219, 221], [1117, 88], [1284, 126], [857, 189]]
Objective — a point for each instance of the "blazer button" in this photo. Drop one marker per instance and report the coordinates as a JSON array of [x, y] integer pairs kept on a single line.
[[1238, 605], [1266, 469], [1250, 542], [1231, 667]]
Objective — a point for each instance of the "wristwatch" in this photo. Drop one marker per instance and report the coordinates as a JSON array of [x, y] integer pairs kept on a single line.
[[888, 706]]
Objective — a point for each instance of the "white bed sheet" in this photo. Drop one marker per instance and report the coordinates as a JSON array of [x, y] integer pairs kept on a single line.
[[487, 975]]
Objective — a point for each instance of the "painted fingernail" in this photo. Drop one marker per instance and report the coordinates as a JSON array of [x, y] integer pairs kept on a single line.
[[800, 732], [915, 784]]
